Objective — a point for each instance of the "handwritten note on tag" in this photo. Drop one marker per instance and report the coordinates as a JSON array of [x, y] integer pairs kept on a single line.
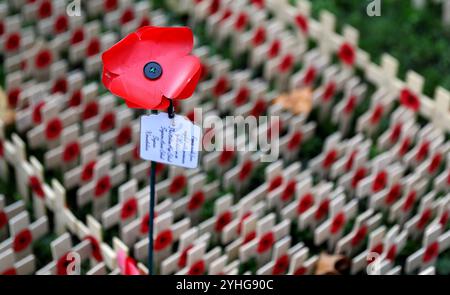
[[173, 141]]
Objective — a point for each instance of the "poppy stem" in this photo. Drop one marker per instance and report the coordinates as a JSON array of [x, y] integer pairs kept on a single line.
[[151, 216], [171, 110]]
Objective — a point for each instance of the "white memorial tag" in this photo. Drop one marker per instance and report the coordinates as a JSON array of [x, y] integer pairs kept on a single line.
[[171, 141]]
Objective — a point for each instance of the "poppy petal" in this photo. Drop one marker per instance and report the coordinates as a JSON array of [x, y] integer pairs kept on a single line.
[[177, 41], [180, 78]]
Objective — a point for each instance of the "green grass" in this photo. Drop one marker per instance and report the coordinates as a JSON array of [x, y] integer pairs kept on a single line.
[[417, 38]]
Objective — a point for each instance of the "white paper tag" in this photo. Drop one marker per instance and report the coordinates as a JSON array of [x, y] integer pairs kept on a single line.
[[171, 141]]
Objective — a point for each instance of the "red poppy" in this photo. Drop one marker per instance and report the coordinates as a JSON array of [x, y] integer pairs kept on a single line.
[[90, 110], [347, 54], [61, 24], [178, 184], [241, 21], [391, 253], [77, 36], [281, 265], [329, 158], [71, 151], [394, 193], [9, 272], [95, 245], [444, 219], [124, 136], [243, 218], [424, 218], [12, 42], [435, 163], [322, 210], [163, 240], [274, 48], [93, 47], [242, 96], [110, 5], [107, 122], [359, 236], [423, 151], [129, 208], [13, 97], [431, 252], [258, 108], [88, 171], [196, 201], [265, 242], [360, 173], [289, 191], [22, 240], [53, 128], [409, 100], [222, 221], [310, 75], [305, 203], [221, 86], [145, 21], [3, 219], [37, 112], [103, 186], [302, 23], [60, 86], [249, 237], [286, 63], [36, 186], [45, 9], [378, 249], [43, 59], [276, 182], [258, 3], [337, 223], [377, 114], [157, 67], [295, 140], [183, 256], [329, 91], [409, 201], [225, 157], [246, 170], [380, 181], [127, 16], [350, 160], [350, 105], [75, 99], [226, 15], [197, 268], [404, 146], [395, 133], [259, 37], [300, 271]]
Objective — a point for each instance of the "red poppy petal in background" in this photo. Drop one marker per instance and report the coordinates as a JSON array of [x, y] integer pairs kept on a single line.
[[95, 245], [3, 219], [129, 208]]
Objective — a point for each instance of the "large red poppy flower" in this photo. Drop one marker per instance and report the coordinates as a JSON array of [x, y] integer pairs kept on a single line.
[[22, 240], [322, 210], [347, 54], [151, 66], [394, 193], [163, 240]]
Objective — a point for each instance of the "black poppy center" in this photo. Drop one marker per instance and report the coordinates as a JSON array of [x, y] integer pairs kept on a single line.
[[152, 70]]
